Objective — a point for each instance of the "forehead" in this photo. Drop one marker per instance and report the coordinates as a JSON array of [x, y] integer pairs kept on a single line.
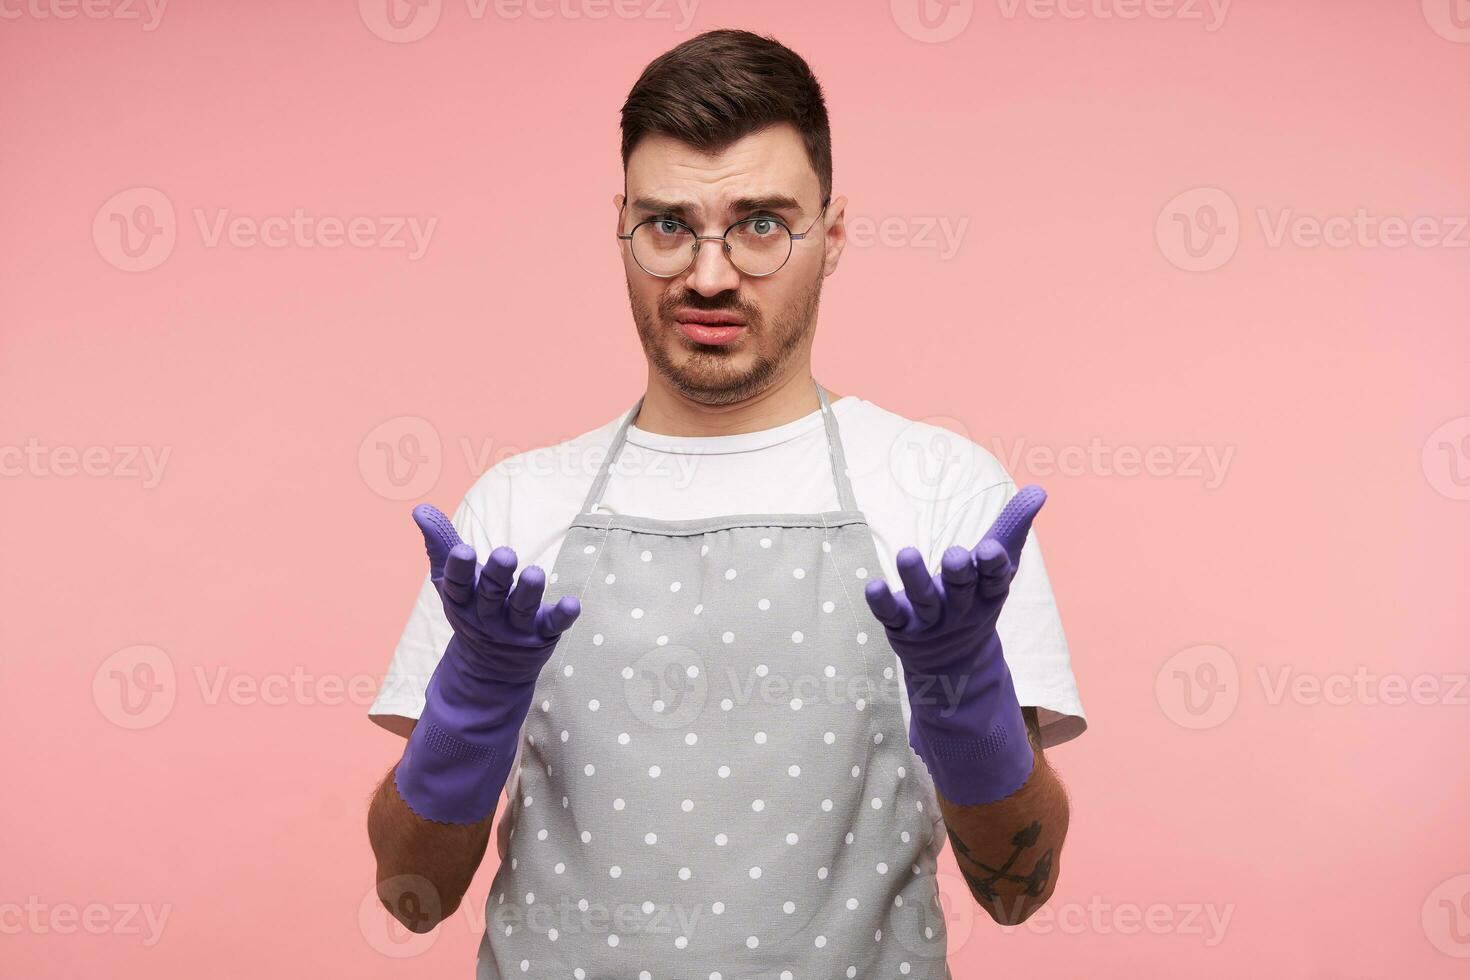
[[769, 161]]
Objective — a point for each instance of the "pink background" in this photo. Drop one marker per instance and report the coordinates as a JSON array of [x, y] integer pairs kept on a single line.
[[1332, 834]]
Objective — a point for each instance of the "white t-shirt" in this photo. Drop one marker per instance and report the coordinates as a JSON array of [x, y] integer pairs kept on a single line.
[[917, 484]]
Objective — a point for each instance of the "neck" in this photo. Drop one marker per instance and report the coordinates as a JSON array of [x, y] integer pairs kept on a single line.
[[668, 412]]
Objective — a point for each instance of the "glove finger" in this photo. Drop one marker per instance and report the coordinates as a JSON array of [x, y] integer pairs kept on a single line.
[[459, 574], [439, 537], [958, 575], [495, 581], [1014, 522], [885, 607], [553, 621], [525, 598], [996, 570], [919, 587]]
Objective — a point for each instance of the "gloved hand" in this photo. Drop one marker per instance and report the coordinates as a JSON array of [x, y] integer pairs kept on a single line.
[[461, 750], [965, 721]]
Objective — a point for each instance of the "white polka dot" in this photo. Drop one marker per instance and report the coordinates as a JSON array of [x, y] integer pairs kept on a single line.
[[827, 546], [789, 907], [684, 874], [862, 637], [826, 804], [796, 704], [565, 672], [757, 805], [588, 550], [719, 907], [650, 838], [721, 840], [637, 613], [760, 738], [727, 637], [729, 574], [690, 738], [593, 705], [755, 872], [687, 805], [615, 872], [565, 734], [612, 940], [765, 542], [852, 903], [791, 838], [589, 769], [799, 572], [822, 874], [618, 803], [751, 942], [821, 942], [763, 605], [726, 704], [647, 556], [761, 670], [699, 609], [860, 572], [797, 637], [586, 836], [829, 737], [882, 868], [828, 606], [611, 578], [662, 641], [680, 942], [703, 549], [627, 673], [560, 868], [877, 738], [829, 671], [877, 803], [793, 771], [654, 771], [623, 738], [675, 586], [724, 772], [597, 639]]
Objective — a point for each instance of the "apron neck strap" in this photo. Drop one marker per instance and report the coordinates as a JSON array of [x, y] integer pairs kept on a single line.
[[845, 498]]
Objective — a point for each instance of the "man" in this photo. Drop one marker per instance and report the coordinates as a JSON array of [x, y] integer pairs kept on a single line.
[[727, 744]]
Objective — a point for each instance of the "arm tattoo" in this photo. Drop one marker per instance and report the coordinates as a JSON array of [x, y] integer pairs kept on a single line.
[[1023, 840]]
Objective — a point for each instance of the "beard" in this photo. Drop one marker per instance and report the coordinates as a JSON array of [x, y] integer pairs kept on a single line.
[[714, 374]]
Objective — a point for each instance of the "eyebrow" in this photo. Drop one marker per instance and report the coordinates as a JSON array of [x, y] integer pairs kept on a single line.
[[743, 205]]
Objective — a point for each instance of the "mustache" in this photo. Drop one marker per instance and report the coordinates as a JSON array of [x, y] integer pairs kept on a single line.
[[727, 302]]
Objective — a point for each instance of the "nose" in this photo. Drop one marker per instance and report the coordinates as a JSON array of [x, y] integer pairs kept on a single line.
[[712, 272]]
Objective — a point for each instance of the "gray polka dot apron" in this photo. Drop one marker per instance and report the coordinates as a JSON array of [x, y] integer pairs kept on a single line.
[[715, 780]]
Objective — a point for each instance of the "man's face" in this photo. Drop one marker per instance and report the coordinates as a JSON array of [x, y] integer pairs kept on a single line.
[[767, 321]]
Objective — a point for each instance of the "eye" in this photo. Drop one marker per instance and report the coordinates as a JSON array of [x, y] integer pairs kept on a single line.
[[763, 227], [667, 226]]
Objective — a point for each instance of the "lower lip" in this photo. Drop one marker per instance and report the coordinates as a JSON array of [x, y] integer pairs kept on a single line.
[[702, 333]]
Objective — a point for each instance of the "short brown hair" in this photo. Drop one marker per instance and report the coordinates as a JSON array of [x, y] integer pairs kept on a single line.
[[723, 85]]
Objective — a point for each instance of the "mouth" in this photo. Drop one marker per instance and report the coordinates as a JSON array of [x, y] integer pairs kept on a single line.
[[709, 326]]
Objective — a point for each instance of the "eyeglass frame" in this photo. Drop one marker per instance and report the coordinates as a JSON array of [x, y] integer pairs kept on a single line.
[[694, 255]]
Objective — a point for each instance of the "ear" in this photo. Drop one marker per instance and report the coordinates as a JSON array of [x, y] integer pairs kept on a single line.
[[835, 238]]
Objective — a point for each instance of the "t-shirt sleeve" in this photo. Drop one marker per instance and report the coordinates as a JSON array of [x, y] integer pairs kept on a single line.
[[427, 631], [1030, 625]]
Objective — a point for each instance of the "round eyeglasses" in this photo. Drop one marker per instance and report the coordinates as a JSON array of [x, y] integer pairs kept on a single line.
[[666, 247]]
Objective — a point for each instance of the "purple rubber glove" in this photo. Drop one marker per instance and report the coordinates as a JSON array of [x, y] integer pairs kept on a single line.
[[461, 750], [965, 722]]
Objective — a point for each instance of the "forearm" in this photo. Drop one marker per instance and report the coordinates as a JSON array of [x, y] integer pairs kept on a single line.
[[1010, 851], [424, 867]]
